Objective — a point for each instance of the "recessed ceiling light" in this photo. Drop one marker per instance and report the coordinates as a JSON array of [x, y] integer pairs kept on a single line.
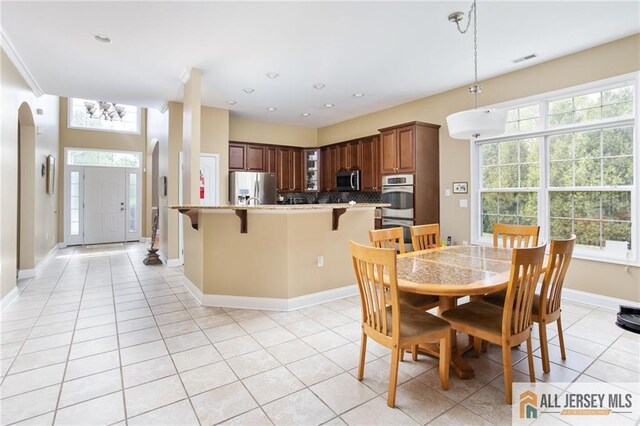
[[305, 114], [318, 86], [102, 38], [248, 90], [328, 105], [273, 75], [232, 102], [272, 109], [358, 95]]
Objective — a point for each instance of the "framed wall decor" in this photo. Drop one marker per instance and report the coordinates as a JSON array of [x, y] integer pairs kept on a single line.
[[460, 187], [51, 173]]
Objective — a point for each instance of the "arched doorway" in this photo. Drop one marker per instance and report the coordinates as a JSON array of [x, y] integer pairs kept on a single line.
[[27, 175]]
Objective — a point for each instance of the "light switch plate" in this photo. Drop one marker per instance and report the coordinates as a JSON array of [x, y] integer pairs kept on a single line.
[[463, 203], [447, 193]]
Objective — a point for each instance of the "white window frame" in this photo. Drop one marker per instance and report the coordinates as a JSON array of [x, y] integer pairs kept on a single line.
[[138, 130], [543, 190]]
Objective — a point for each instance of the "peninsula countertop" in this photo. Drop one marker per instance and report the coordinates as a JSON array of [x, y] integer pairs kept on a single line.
[[283, 206]]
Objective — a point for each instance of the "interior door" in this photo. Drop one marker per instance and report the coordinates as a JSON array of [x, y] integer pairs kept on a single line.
[[104, 204]]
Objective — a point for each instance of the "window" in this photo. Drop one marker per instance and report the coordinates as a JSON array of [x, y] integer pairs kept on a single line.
[[74, 208], [87, 157], [566, 163], [79, 118], [133, 197]]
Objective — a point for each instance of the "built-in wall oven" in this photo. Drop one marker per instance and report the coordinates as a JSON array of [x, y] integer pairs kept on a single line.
[[397, 190]]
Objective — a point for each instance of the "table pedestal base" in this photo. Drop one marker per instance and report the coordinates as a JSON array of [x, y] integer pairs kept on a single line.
[[462, 368]]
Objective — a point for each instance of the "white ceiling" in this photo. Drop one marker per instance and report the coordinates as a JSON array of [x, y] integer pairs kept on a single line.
[[393, 52]]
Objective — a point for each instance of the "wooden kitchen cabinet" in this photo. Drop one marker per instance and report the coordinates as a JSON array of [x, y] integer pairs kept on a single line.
[[398, 150], [349, 155], [270, 155], [414, 148], [369, 165], [237, 156], [246, 157], [289, 169]]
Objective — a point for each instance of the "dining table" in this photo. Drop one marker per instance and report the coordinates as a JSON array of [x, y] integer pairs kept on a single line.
[[451, 272]]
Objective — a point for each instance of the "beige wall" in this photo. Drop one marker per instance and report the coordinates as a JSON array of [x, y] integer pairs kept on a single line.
[[14, 92], [79, 138], [608, 60], [243, 130], [157, 133], [214, 139], [277, 257]]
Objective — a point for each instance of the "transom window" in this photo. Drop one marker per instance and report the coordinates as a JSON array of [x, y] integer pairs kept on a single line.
[[80, 119], [90, 157], [567, 162]]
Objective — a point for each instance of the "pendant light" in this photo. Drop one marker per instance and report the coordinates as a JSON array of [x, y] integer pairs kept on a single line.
[[477, 122]]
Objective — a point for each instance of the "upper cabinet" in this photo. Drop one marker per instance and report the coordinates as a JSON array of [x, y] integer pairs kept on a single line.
[[246, 157], [289, 169], [370, 168], [311, 171], [398, 150], [349, 155]]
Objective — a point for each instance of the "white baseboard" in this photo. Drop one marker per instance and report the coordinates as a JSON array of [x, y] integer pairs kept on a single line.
[[596, 299], [172, 263], [26, 273], [62, 245], [10, 297], [278, 304], [193, 289]]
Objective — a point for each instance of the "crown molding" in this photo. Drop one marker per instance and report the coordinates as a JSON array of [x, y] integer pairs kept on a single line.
[[163, 106], [185, 75], [17, 61]]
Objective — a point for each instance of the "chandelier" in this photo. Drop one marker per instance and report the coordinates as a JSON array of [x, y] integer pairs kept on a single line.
[[476, 122], [105, 110]]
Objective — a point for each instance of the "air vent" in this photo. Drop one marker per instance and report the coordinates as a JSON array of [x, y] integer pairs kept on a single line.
[[524, 58]]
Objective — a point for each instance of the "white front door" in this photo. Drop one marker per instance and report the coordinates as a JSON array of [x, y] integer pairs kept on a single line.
[[104, 204]]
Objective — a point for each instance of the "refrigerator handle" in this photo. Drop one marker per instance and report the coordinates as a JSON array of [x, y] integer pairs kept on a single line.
[[256, 189]]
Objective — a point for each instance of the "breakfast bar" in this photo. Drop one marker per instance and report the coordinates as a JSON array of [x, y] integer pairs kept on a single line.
[[277, 257]]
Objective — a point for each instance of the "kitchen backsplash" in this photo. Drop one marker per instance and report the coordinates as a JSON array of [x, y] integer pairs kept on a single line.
[[336, 197]]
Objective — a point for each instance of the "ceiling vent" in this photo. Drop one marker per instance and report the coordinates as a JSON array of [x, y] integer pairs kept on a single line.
[[524, 58]]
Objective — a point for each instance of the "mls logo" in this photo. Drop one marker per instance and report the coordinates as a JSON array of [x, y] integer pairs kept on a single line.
[[528, 405]]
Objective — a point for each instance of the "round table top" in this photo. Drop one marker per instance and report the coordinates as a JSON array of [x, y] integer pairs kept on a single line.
[[454, 270]]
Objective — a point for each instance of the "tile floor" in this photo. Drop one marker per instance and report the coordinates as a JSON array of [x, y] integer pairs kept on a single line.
[[99, 338]]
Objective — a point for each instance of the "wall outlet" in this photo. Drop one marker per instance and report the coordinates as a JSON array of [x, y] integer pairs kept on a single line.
[[465, 242], [320, 261], [447, 193]]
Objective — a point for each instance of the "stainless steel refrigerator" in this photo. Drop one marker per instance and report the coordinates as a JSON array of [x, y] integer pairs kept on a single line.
[[250, 184]]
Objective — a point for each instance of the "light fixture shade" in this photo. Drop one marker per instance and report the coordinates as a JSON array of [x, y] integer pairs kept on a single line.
[[477, 123]]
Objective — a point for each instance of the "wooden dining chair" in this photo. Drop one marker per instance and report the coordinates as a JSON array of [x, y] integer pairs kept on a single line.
[[546, 304], [390, 323], [513, 236], [392, 238], [424, 237], [510, 325]]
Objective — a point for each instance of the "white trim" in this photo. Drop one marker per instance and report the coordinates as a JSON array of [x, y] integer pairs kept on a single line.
[[26, 273], [278, 304], [163, 106], [596, 299], [185, 75], [9, 298], [17, 61], [62, 245], [193, 289], [172, 263]]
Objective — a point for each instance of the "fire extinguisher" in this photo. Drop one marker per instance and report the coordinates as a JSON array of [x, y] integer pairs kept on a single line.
[[201, 186]]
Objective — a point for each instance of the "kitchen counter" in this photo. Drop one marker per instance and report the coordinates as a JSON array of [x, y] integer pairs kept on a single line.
[[272, 257], [284, 206]]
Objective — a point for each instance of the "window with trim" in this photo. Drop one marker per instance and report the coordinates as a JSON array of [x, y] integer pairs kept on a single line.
[[566, 162], [80, 119]]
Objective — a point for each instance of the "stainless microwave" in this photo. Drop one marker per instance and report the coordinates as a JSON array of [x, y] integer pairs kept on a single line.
[[348, 180]]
